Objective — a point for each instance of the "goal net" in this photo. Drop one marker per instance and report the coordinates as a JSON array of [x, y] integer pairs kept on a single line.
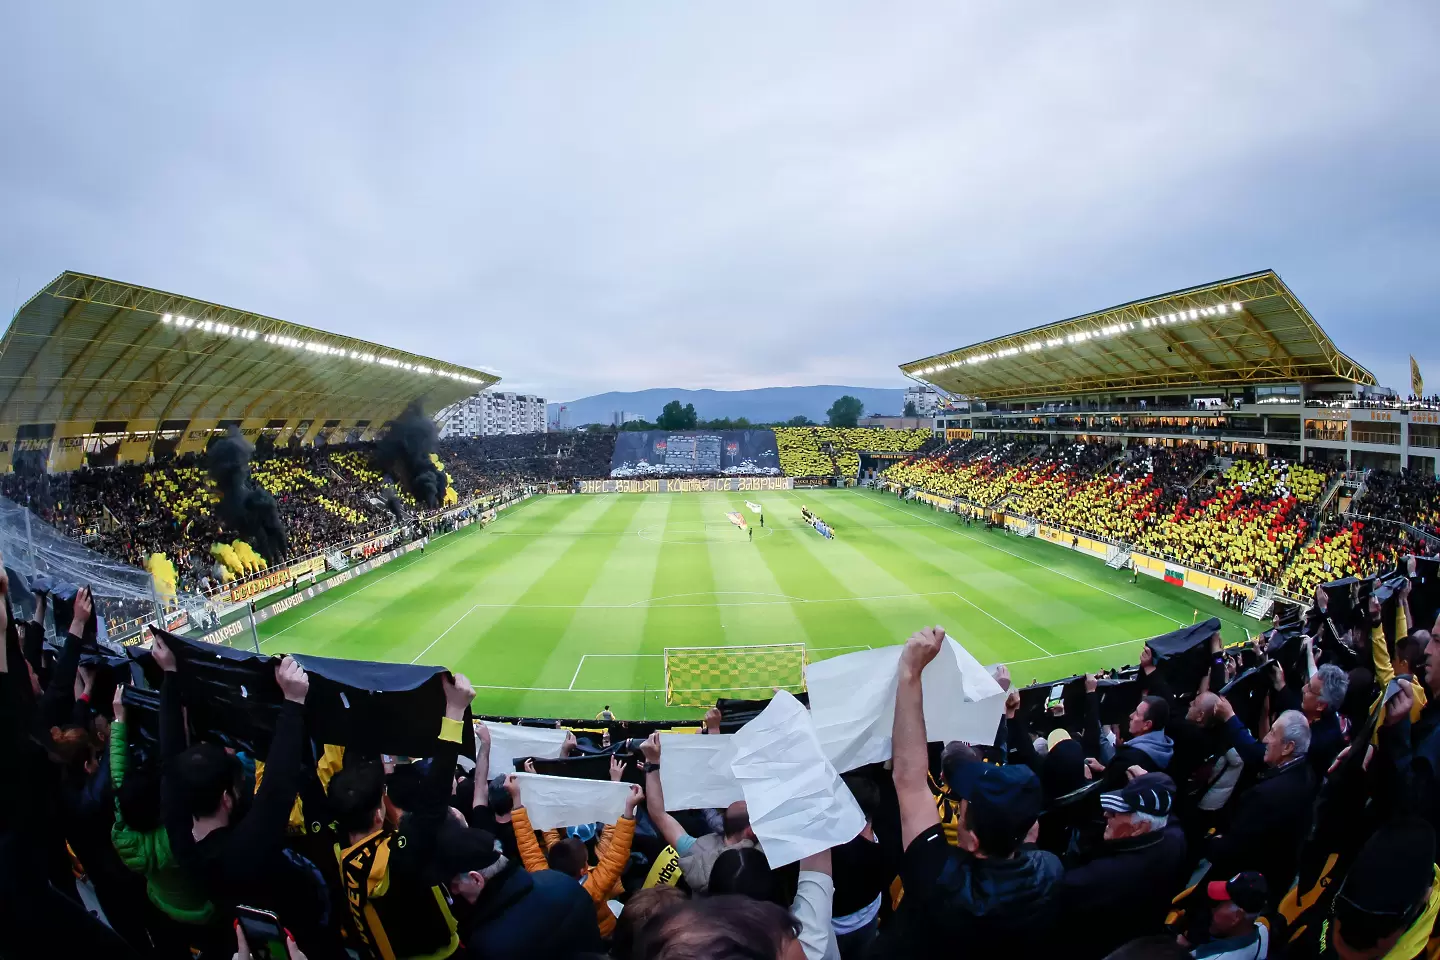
[[698, 676]]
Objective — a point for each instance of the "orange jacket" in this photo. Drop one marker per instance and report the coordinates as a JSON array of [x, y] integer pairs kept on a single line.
[[613, 851]]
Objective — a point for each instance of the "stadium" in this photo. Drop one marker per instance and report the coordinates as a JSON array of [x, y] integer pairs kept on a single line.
[[1133, 494]]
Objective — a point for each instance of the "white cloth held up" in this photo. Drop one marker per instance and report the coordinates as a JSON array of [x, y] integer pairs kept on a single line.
[[695, 771], [569, 801], [509, 741], [852, 700]]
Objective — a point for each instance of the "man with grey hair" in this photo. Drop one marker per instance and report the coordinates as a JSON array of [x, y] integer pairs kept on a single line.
[[1136, 867], [1320, 701], [1273, 817]]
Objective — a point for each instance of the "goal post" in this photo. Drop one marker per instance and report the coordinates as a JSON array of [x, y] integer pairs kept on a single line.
[[698, 676]]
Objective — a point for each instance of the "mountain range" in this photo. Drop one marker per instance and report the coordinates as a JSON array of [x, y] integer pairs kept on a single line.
[[764, 405]]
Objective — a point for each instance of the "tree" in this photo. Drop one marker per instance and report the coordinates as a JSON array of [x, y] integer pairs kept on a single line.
[[676, 417], [844, 412], [910, 410], [800, 421]]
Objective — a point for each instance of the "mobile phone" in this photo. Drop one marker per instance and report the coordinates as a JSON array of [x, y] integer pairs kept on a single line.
[[1056, 698], [263, 932]]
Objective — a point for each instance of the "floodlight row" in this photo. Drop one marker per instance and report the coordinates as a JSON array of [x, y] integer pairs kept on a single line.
[[310, 346], [1083, 336]]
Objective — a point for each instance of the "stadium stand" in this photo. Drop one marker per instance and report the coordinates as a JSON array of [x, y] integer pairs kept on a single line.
[[835, 451], [1275, 798]]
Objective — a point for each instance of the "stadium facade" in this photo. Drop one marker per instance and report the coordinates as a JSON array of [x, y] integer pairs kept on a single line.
[[1237, 366], [102, 372]]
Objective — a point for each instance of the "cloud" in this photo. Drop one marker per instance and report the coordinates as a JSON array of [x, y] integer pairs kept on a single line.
[[727, 195]]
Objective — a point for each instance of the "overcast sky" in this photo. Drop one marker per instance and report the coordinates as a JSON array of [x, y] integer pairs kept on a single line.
[[595, 196]]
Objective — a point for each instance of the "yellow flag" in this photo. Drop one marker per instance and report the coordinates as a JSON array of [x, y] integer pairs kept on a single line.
[[1417, 382]]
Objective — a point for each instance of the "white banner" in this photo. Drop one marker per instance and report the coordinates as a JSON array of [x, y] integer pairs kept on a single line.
[[552, 802], [695, 771], [754, 507], [852, 701], [508, 742], [797, 802]]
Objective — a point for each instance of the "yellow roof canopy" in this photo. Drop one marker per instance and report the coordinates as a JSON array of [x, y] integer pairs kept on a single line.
[[1237, 332], [87, 348]]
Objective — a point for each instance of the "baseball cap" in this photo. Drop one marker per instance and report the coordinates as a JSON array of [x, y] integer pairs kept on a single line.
[[1006, 797], [1057, 735], [1246, 890], [462, 849], [1153, 793]]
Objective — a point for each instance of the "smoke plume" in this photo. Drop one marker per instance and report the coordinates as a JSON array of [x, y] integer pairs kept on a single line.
[[404, 453], [394, 504], [245, 507]]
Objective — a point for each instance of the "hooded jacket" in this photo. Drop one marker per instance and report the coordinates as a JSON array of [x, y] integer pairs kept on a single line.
[[147, 852], [538, 916]]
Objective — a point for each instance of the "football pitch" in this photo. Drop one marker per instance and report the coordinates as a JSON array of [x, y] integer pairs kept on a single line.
[[567, 603]]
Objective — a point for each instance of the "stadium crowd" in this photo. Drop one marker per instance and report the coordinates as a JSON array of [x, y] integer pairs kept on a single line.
[[835, 451], [327, 496], [1256, 520], [1274, 799]]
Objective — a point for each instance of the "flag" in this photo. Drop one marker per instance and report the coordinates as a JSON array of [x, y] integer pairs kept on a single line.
[[1417, 382], [1174, 576], [754, 507], [737, 518]]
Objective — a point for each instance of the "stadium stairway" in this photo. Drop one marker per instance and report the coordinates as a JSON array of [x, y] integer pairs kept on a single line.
[[1262, 603], [1200, 474]]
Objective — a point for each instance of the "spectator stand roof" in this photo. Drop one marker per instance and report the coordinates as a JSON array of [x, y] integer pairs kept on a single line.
[[1247, 330], [86, 348]]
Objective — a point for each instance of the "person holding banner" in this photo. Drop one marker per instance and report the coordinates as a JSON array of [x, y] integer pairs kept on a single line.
[[996, 894], [382, 868], [570, 856], [697, 855]]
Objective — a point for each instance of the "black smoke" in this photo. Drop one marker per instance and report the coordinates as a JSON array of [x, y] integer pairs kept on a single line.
[[245, 507], [395, 504], [404, 450]]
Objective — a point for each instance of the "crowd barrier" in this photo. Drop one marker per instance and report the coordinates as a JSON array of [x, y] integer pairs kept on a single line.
[[246, 624]]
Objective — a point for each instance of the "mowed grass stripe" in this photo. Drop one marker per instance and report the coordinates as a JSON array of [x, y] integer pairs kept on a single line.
[[744, 582], [492, 578], [858, 555], [1071, 574], [539, 616], [585, 653], [1052, 621], [561, 577], [683, 573], [387, 611], [792, 561]]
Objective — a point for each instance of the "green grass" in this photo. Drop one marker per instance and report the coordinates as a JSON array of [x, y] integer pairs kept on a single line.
[[566, 603]]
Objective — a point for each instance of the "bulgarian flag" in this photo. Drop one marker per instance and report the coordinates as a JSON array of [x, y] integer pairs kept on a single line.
[[1174, 576], [737, 518]]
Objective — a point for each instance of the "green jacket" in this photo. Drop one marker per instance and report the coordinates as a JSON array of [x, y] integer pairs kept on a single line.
[[148, 852]]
